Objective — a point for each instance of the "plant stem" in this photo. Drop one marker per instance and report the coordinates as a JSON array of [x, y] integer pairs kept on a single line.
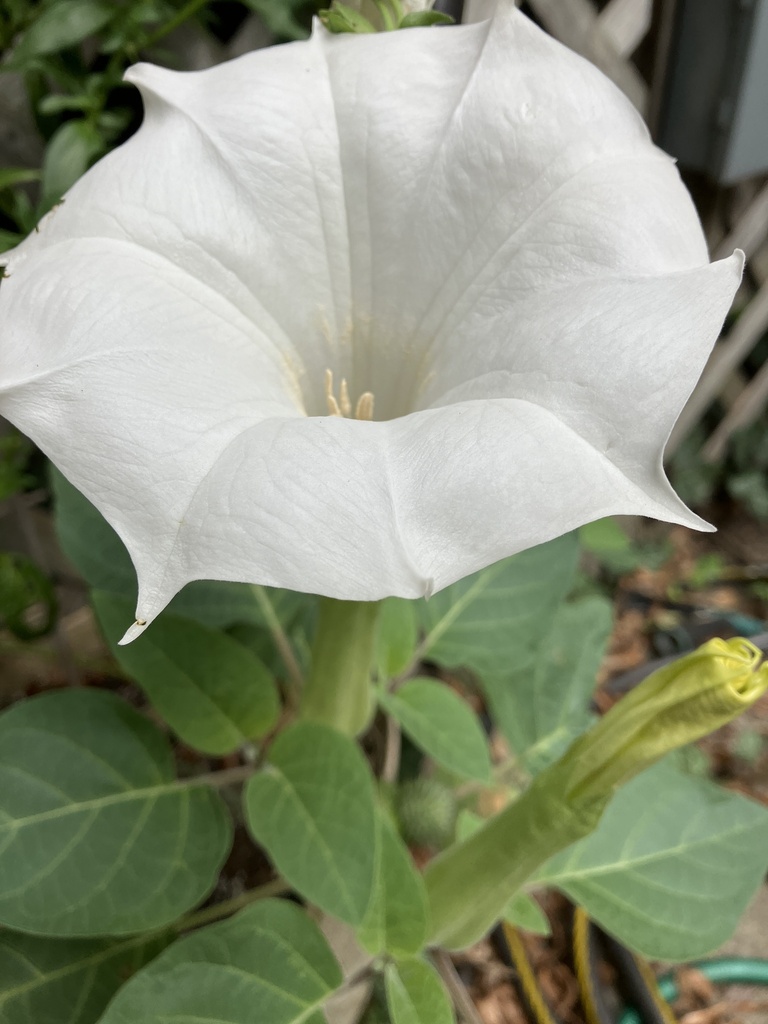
[[456, 989], [339, 691], [226, 777], [295, 681], [392, 750], [186, 12], [469, 883], [228, 907]]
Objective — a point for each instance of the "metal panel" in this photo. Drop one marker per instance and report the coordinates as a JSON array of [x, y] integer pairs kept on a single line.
[[714, 109], [746, 153]]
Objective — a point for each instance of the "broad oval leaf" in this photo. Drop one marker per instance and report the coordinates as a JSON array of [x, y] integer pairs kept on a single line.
[[312, 808], [210, 689], [542, 708], [443, 725], [61, 25], [96, 836], [524, 912], [268, 964], [72, 149], [396, 638], [396, 920], [66, 981], [496, 619], [100, 556], [672, 865], [415, 994]]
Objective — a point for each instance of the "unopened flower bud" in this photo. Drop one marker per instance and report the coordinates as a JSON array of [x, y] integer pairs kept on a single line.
[[343, 18], [675, 705]]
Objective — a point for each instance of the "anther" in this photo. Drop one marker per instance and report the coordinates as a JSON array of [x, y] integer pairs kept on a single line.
[[330, 398], [344, 402], [364, 409], [343, 405]]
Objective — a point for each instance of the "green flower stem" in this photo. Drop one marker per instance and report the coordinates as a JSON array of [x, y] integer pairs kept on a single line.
[[338, 691], [469, 884], [184, 14]]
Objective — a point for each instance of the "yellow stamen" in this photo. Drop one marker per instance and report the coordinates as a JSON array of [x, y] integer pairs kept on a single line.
[[344, 402], [364, 409], [330, 398], [343, 405]]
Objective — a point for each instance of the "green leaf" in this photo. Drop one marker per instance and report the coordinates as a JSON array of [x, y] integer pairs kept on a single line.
[[15, 452], [28, 602], [8, 239], [10, 176], [343, 18], [61, 25], [542, 708], [604, 537], [72, 149], [217, 604], [268, 964], [312, 808], [210, 689], [96, 836], [415, 994], [524, 912], [396, 638], [280, 17], [89, 541], [66, 981], [494, 622], [396, 920], [443, 725], [422, 19], [55, 104], [672, 865], [100, 556]]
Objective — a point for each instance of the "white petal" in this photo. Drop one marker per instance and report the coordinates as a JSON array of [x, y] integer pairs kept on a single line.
[[471, 223], [234, 177]]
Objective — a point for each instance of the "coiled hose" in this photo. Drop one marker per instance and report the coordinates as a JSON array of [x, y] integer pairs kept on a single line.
[[648, 998]]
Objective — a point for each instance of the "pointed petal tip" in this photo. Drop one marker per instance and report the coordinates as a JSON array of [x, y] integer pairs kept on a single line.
[[134, 631], [136, 72], [734, 264]]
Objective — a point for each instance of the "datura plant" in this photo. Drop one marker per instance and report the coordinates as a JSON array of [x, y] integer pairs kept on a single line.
[[337, 352]]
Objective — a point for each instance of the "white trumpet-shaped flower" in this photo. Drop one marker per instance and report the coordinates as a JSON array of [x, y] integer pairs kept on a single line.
[[360, 315]]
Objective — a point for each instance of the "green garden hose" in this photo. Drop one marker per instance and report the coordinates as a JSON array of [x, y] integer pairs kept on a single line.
[[635, 980], [721, 971]]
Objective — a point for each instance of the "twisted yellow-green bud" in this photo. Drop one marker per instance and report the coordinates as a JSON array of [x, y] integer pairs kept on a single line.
[[364, 16], [470, 883], [677, 704]]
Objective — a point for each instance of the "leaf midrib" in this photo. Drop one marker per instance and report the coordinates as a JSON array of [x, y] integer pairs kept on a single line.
[[291, 792], [669, 851], [95, 960], [147, 793]]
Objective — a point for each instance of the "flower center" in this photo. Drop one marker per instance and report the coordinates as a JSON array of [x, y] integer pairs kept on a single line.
[[343, 406]]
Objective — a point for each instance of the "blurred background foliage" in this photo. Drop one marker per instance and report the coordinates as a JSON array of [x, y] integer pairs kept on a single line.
[[70, 56], [63, 105]]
